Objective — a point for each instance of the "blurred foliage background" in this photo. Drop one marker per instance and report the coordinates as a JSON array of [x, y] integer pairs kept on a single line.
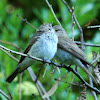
[[14, 30]]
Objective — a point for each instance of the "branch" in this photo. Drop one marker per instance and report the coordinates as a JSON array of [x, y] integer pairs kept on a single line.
[[18, 53], [50, 6], [25, 20], [38, 83], [83, 81], [91, 82], [5, 95], [93, 93], [95, 59], [97, 26], [5, 42], [88, 44], [59, 65], [73, 24], [20, 89], [77, 23]]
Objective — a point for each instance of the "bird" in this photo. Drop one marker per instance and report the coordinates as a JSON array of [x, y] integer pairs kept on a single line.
[[43, 44], [69, 53]]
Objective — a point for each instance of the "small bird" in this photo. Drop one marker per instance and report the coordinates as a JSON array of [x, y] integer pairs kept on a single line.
[[42, 45], [68, 52]]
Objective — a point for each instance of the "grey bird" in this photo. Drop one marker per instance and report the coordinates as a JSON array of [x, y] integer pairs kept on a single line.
[[42, 45], [69, 53]]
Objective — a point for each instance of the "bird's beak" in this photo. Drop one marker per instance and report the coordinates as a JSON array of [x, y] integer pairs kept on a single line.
[[51, 23]]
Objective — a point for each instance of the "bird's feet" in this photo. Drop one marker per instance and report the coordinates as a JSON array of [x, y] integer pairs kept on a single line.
[[52, 62]]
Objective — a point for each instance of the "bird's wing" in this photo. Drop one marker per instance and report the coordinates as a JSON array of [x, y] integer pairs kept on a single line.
[[69, 46], [32, 41]]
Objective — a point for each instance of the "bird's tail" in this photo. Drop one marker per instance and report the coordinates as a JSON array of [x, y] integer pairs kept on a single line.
[[11, 77]]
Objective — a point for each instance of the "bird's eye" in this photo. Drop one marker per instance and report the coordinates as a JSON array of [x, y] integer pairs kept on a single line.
[[56, 30], [49, 29]]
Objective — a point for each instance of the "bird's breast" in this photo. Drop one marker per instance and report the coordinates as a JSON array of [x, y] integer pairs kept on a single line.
[[45, 47]]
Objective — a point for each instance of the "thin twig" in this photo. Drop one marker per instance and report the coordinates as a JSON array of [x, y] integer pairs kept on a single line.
[[5, 95], [25, 20], [44, 73], [59, 65], [98, 57], [18, 53], [50, 6], [83, 81], [9, 55], [93, 93], [91, 82], [8, 43], [73, 24], [10, 96], [38, 83], [88, 44], [75, 84], [97, 26], [77, 23], [20, 90]]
